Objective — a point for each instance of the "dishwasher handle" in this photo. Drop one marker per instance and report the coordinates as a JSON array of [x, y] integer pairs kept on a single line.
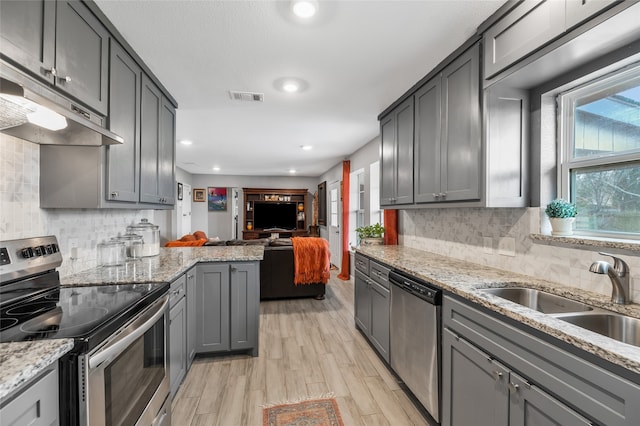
[[411, 285]]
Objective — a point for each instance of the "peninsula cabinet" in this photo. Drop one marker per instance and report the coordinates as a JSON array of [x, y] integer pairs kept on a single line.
[[61, 43], [396, 165], [227, 307], [448, 133], [157, 146], [191, 315], [35, 403], [516, 378]]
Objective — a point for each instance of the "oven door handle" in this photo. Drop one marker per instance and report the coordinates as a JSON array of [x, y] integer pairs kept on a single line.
[[132, 332]]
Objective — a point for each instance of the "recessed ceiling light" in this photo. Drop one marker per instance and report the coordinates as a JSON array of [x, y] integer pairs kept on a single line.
[[216, 168], [304, 8], [292, 171], [290, 87], [186, 142], [306, 147]]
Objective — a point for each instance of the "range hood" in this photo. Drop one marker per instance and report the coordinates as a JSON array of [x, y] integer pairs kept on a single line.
[[23, 113]]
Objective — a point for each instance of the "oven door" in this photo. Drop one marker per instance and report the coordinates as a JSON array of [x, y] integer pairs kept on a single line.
[[127, 380]]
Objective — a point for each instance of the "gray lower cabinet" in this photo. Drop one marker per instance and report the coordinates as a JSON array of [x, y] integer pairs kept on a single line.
[[396, 162], [191, 315], [500, 396], [36, 404], [157, 152], [371, 303], [448, 133], [227, 307], [516, 378], [123, 161], [177, 334]]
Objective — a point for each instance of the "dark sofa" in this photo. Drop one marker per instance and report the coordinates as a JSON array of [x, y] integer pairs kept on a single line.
[[277, 270]]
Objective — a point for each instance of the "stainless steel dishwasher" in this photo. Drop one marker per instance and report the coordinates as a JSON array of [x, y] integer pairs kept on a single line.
[[415, 339]]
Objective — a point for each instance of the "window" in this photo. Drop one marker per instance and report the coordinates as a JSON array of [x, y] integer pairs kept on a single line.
[[375, 214], [357, 205], [600, 157]]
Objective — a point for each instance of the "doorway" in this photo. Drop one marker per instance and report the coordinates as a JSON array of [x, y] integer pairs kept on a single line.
[[184, 211], [334, 228]]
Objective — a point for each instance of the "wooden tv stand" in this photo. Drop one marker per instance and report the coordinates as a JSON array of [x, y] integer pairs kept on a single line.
[[251, 195]]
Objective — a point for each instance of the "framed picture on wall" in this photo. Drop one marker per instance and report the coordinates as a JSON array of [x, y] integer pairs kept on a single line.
[[217, 199], [199, 195], [179, 191], [322, 204]]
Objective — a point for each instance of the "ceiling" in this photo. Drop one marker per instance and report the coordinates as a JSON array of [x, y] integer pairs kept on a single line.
[[356, 58]]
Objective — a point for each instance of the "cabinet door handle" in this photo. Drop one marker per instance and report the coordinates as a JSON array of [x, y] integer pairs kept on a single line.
[[498, 375], [65, 79], [514, 386], [51, 71], [443, 195], [114, 194], [436, 196]]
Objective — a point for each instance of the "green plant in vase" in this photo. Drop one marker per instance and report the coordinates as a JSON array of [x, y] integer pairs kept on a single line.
[[561, 214]]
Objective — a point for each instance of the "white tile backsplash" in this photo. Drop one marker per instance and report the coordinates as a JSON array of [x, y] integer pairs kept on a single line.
[[22, 217], [463, 233]]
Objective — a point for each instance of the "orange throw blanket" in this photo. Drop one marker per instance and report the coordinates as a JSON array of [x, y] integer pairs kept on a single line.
[[311, 260], [192, 243]]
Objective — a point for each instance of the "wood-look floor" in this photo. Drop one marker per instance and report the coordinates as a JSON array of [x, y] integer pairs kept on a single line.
[[308, 348]]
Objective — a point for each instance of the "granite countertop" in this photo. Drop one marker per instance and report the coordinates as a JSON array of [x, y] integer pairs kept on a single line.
[[22, 361], [166, 267], [466, 279]]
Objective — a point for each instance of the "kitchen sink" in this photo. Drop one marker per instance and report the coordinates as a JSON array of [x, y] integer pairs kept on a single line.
[[619, 327], [539, 300]]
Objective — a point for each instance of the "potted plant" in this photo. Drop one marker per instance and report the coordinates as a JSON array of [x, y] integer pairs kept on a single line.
[[371, 235], [561, 215]]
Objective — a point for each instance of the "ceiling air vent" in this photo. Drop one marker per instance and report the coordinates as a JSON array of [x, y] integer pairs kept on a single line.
[[246, 96]]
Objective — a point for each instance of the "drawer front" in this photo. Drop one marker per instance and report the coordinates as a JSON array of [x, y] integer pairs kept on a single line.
[[362, 264], [379, 274], [177, 290]]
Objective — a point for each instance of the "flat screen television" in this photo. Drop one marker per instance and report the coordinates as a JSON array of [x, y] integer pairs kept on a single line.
[[274, 215]]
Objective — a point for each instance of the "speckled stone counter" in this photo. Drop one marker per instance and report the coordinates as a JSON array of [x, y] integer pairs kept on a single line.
[[21, 361], [166, 267], [466, 279]]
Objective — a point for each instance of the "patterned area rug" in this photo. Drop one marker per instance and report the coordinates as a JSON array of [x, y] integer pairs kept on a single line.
[[315, 412]]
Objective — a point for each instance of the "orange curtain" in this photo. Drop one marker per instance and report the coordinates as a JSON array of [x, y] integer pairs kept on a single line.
[[344, 271], [391, 227]]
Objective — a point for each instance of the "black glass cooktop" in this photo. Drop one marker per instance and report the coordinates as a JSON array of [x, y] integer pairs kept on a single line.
[[86, 314]]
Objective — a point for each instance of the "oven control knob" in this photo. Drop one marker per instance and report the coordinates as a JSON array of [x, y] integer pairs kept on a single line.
[[37, 251], [48, 249], [27, 253], [54, 247]]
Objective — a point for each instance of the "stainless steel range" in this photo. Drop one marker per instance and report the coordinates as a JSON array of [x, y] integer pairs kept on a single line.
[[117, 372]]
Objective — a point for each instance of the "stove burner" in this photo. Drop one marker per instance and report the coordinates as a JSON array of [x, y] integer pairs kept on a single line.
[[7, 323], [59, 321], [31, 308]]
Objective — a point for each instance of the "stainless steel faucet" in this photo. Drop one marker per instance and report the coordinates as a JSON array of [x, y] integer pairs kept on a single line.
[[619, 274]]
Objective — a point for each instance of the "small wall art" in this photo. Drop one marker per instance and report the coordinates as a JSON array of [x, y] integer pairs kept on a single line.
[[199, 195], [180, 190], [217, 199]]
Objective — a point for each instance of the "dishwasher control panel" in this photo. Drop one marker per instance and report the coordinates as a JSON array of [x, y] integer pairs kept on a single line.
[[416, 287]]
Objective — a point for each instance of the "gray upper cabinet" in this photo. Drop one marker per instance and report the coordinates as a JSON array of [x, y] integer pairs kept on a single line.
[[28, 35], [461, 137], [527, 27], [157, 146], [396, 174], [428, 117], [81, 55], [123, 161], [447, 133], [581, 10]]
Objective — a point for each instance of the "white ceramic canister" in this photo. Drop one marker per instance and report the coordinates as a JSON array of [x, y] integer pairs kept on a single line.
[[150, 234]]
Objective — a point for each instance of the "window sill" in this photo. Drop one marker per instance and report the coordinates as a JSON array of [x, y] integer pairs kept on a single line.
[[583, 242]]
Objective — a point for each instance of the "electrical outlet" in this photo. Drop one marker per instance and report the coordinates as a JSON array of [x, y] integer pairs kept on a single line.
[[73, 248], [507, 246], [488, 245]]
